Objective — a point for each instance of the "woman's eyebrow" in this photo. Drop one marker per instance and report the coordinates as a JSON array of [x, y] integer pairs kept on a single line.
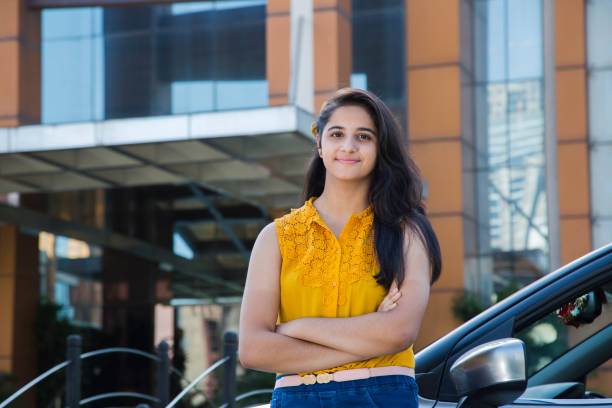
[[360, 128], [367, 130]]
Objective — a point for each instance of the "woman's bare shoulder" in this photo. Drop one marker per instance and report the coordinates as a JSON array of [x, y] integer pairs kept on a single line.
[[416, 258], [265, 262], [267, 241], [268, 234]]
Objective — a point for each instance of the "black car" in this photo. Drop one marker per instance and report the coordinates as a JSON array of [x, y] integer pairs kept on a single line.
[[564, 324]]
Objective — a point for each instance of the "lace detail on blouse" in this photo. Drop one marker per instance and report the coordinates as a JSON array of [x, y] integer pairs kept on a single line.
[[322, 260]]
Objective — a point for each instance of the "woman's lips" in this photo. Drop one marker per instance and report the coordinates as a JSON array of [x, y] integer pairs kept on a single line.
[[347, 161]]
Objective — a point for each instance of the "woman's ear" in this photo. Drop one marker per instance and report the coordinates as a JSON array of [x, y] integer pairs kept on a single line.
[[314, 130]]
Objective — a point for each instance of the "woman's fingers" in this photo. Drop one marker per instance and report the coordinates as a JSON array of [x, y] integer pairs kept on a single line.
[[390, 301], [396, 296]]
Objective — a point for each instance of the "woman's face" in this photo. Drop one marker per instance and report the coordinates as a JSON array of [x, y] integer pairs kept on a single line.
[[348, 144]]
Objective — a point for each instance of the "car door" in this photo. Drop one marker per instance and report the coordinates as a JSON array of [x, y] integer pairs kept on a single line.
[[521, 315]]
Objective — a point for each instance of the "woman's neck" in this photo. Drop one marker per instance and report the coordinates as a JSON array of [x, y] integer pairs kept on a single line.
[[341, 199]]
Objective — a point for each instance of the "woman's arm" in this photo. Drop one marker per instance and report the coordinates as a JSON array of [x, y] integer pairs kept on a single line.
[[378, 333], [260, 347]]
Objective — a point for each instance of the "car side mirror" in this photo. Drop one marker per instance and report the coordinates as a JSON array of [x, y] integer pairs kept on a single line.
[[490, 375]]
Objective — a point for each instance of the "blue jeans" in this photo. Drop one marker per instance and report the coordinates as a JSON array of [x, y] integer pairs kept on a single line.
[[384, 391]]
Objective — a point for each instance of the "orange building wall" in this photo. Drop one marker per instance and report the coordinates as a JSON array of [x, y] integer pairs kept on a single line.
[[332, 48], [331, 44], [8, 249], [278, 45], [572, 140], [20, 67], [18, 305], [435, 134]]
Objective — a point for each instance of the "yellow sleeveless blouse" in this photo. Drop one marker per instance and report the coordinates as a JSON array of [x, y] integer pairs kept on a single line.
[[322, 276]]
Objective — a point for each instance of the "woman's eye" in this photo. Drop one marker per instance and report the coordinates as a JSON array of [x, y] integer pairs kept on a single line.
[[365, 136], [336, 134]]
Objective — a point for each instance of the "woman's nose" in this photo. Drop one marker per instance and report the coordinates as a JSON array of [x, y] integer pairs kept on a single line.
[[348, 144]]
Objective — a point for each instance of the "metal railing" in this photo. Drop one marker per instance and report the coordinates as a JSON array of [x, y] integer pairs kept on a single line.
[[164, 369]]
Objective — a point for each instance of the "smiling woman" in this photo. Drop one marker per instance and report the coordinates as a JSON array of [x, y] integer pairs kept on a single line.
[[350, 147], [337, 289]]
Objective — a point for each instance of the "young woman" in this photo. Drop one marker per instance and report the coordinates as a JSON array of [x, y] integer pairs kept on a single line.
[[336, 290]]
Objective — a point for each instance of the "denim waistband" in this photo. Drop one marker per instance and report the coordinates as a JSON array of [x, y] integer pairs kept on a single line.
[[384, 380]]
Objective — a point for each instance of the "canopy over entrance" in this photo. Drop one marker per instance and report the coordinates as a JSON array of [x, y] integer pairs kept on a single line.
[[217, 174]]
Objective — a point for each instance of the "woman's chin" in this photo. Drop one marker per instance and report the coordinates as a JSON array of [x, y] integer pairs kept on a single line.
[[350, 177]]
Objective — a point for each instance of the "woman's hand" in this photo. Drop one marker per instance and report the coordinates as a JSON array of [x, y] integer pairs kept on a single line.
[[390, 301]]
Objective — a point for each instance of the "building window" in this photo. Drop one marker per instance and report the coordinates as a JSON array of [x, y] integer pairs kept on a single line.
[[116, 62], [599, 59], [379, 63], [508, 71]]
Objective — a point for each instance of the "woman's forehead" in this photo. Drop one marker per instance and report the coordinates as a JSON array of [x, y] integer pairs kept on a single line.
[[351, 116]]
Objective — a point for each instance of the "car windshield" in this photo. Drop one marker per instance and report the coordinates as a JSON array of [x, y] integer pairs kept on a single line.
[[552, 336]]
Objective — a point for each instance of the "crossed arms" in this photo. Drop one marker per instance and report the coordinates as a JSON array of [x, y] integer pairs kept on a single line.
[[312, 343]]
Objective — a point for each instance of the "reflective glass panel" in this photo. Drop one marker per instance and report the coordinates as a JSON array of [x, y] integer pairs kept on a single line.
[[497, 142], [599, 32], [509, 139], [599, 60], [508, 40], [499, 209], [526, 123], [231, 94], [496, 40], [378, 51], [600, 105], [602, 232], [131, 89], [601, 171], [117, 62], [481, 126], [480, 25], [70, 94], [70, 279], [524, 39], [71, 23], [528, 197], [192, 96]]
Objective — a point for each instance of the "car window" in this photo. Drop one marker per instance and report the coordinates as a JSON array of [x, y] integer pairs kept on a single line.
[[550, 337], [600, 380]]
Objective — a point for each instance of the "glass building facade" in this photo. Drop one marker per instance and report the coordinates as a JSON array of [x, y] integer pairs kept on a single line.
[[599, 62], [151, 238], [509, 118], [106, 63], [380, 69]]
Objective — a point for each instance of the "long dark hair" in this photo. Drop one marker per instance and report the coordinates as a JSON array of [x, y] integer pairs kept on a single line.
[[396, 191]]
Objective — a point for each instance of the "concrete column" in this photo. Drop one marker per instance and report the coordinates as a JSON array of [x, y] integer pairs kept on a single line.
[[301, 82], [550, 133]]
